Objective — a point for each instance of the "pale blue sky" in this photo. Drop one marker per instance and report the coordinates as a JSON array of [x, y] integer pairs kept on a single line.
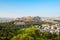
[[19, 8]]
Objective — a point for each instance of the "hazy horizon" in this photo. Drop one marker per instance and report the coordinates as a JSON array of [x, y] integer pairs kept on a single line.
[[22, 8]]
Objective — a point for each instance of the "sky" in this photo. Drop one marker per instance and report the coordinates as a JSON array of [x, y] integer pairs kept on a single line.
[[20, 8]]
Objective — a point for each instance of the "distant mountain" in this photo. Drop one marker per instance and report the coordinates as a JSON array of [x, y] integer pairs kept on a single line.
[[6, 18], [2, 20]]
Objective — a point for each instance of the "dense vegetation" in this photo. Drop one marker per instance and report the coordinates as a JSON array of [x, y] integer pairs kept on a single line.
[[9, 31], [34, 34], [57, 20]]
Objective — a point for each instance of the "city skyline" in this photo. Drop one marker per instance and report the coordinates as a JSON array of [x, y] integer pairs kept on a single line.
[[20, 8]]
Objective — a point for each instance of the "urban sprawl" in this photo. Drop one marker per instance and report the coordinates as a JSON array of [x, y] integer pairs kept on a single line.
[[51, 25]]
